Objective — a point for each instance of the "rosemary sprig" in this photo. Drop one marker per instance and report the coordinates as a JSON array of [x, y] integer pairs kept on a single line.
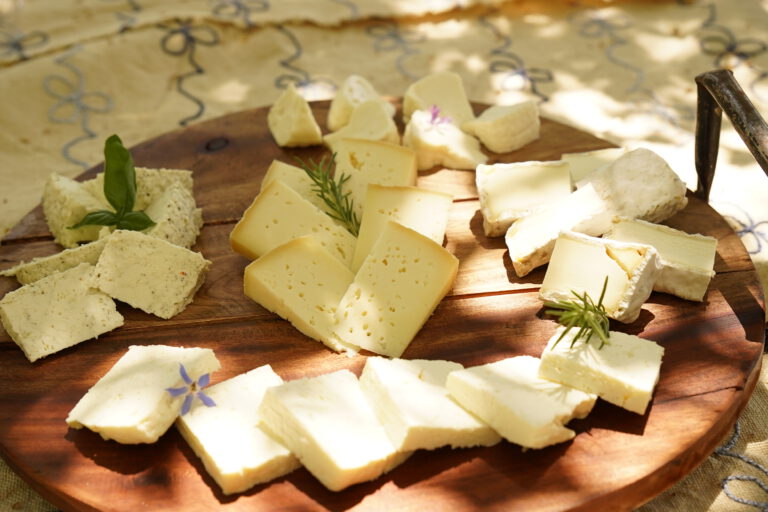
[[590, 318], [331, 191]]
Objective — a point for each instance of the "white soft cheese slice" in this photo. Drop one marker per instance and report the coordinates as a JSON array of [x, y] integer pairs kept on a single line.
[[505, 128], [296, 178], [510, 191], [581, 263], [150, 185], [370, 121], [440, 142], [444, 90], [235, 451], [327, 423], [395, 291], [291, 121], [176, 216], [65, 203], [422, 210], [525, 409], [354, 91], [584, 163], [623, 372], [411, 401], [686, 260]]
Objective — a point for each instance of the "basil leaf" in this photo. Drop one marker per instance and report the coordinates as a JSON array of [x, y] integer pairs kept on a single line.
[[119, 176], [135, 221], [97, 218]]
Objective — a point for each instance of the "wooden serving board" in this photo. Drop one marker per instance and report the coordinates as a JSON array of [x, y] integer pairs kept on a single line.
[[617, 461]]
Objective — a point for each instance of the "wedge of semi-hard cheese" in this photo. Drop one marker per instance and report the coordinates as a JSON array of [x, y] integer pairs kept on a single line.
[[131, 403], [623, 372], [58, 311], [444, 90], [150, 185], [303, 283], [355, 91], [584, 163], [235, 451], [525, 409], [437, 141], [411, 401], [505, 128], [296, 178], [370, 121], [395, 291], [511, 191], [581, 263], [686, 261], [176, 216], [327, 423], [291, 121], [422, 210], [150, 274], [65, 203]]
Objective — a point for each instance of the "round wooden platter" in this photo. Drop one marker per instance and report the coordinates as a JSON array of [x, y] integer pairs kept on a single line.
[[617, 461]]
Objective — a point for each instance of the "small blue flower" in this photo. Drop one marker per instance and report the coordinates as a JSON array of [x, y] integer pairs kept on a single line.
[[191, 390]]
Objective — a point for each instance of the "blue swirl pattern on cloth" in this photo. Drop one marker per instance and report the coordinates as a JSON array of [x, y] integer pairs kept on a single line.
[[727, 450], [240, 9], [300, 78], [127, 18], [14, 43], [388, 37]]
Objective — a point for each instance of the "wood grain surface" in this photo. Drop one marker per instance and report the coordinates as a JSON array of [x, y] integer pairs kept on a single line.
[[617, 461]]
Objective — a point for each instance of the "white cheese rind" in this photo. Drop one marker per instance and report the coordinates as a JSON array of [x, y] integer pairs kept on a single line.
[[441, 143], [38, 268], [65, 203], [176, 216], [584, 163], [505, 128], [370, 121], [354, 91], [291, 121], [443, 89]]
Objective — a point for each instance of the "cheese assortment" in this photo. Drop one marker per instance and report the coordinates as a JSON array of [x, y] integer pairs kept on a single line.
[[505, 128], [291, 121], [438, 141], [371, 120], [354, 91]]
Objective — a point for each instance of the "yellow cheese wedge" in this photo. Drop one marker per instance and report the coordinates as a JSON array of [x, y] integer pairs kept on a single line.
[[291, 121], [355, 91], [297, 179], [370, 121], [443, 89]]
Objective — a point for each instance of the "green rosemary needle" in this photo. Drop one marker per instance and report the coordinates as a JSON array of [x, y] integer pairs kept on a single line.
[[590, 318]]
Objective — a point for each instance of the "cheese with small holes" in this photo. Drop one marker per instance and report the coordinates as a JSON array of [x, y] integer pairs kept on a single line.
[[624, 371], [65, 203], [584, 163], [303, 283], [291, 121], [176, 216], [505, 128], [422, 210], [57, 312], [130, 404], [150, 185], [525, 409], [395, 291], [370, 121], [327, 423], [296, 178], [278, 215], [510, 191], [354, 91], [443, 89], [235, 451], [581, 263], [410, 399], [438, 141]]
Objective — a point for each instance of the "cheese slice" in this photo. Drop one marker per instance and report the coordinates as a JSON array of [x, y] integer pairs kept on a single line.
[[411, 401], [150, 185], [65, 203], [511, 191], [443, 89], [234, 450], [623, 372], [581, 263], [440, 142], [130, 403], [505, 128], [176, 216], [355, 91], [584, 163], [422, 210], [371, 120], [687, 261], [395, 291], [296, 178], [525, 409], [291, 121]]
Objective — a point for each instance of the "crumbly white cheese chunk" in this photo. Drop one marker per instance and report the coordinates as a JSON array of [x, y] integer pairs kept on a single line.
[[525, 409], [65, 203], [371, 121], [444, 90], [150, 185], [584, 163], [354, 91], [176, 216], [505, 128], [296, 178], [291, 121], [440, 142]]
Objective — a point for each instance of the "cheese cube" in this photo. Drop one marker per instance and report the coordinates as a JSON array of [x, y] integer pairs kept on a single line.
[[584, 163], [440, 142], [411, 401], [234, 450], [422, 210], [443, 89], [296, 178], [131, 403], [525, 409], [686, 261], [278, 215], [65, 203], [57, 312], [395, 291], [291, 121], [511, 191], [580, 264], [623, 372], [150, 274], [355, 91], [327, 423], [370, 121], [38, 268], [303, 283], [505, 128], [176, 216], [150, 185]]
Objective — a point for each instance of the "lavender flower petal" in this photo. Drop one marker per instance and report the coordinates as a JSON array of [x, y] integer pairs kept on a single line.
[[177, 391], [184, 375], [208, 401], [187, 405], [204, 380]]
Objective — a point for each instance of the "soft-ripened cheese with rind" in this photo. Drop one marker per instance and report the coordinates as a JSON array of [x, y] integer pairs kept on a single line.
[[327, 423], [303, 283], [505, 128], [150, 185], [130, 404], [419, 209], [354, 91], [371, 121], [291, 121], [38, 268], [278, 215], [581, 263], [395, 291], [57, 312], [443, 89], [623, 372], [509, 191], [234, 450], [438, 142], [411, 401], [176, 216], [65, 203], [525, 409], [296, 178], [584, 163]]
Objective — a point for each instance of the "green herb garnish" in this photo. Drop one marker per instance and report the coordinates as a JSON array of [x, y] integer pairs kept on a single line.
[[590, 318], [120, 191]]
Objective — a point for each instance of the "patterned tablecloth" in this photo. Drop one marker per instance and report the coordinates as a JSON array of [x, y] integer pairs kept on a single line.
[[73, 72]]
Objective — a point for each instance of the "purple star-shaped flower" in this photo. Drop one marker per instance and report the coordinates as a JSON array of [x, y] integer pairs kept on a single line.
[[434, 110], [191, 390]]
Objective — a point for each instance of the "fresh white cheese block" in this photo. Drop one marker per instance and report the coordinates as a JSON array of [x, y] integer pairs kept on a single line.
[[303, 283], [150, 185], [584, 163], [235, 451], [505, 128], [65, 203], [296, 178], [355, 91], [411, 401], [443, 89], [278, 215], [291, 121], [57, 312], [510, 191], [371, 120], [130, 403], [580, 264], [623, 372], [327, 423], [525, 409], [686, 260], [440, 142], [422, 210], [395, 291], [176, 216]]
